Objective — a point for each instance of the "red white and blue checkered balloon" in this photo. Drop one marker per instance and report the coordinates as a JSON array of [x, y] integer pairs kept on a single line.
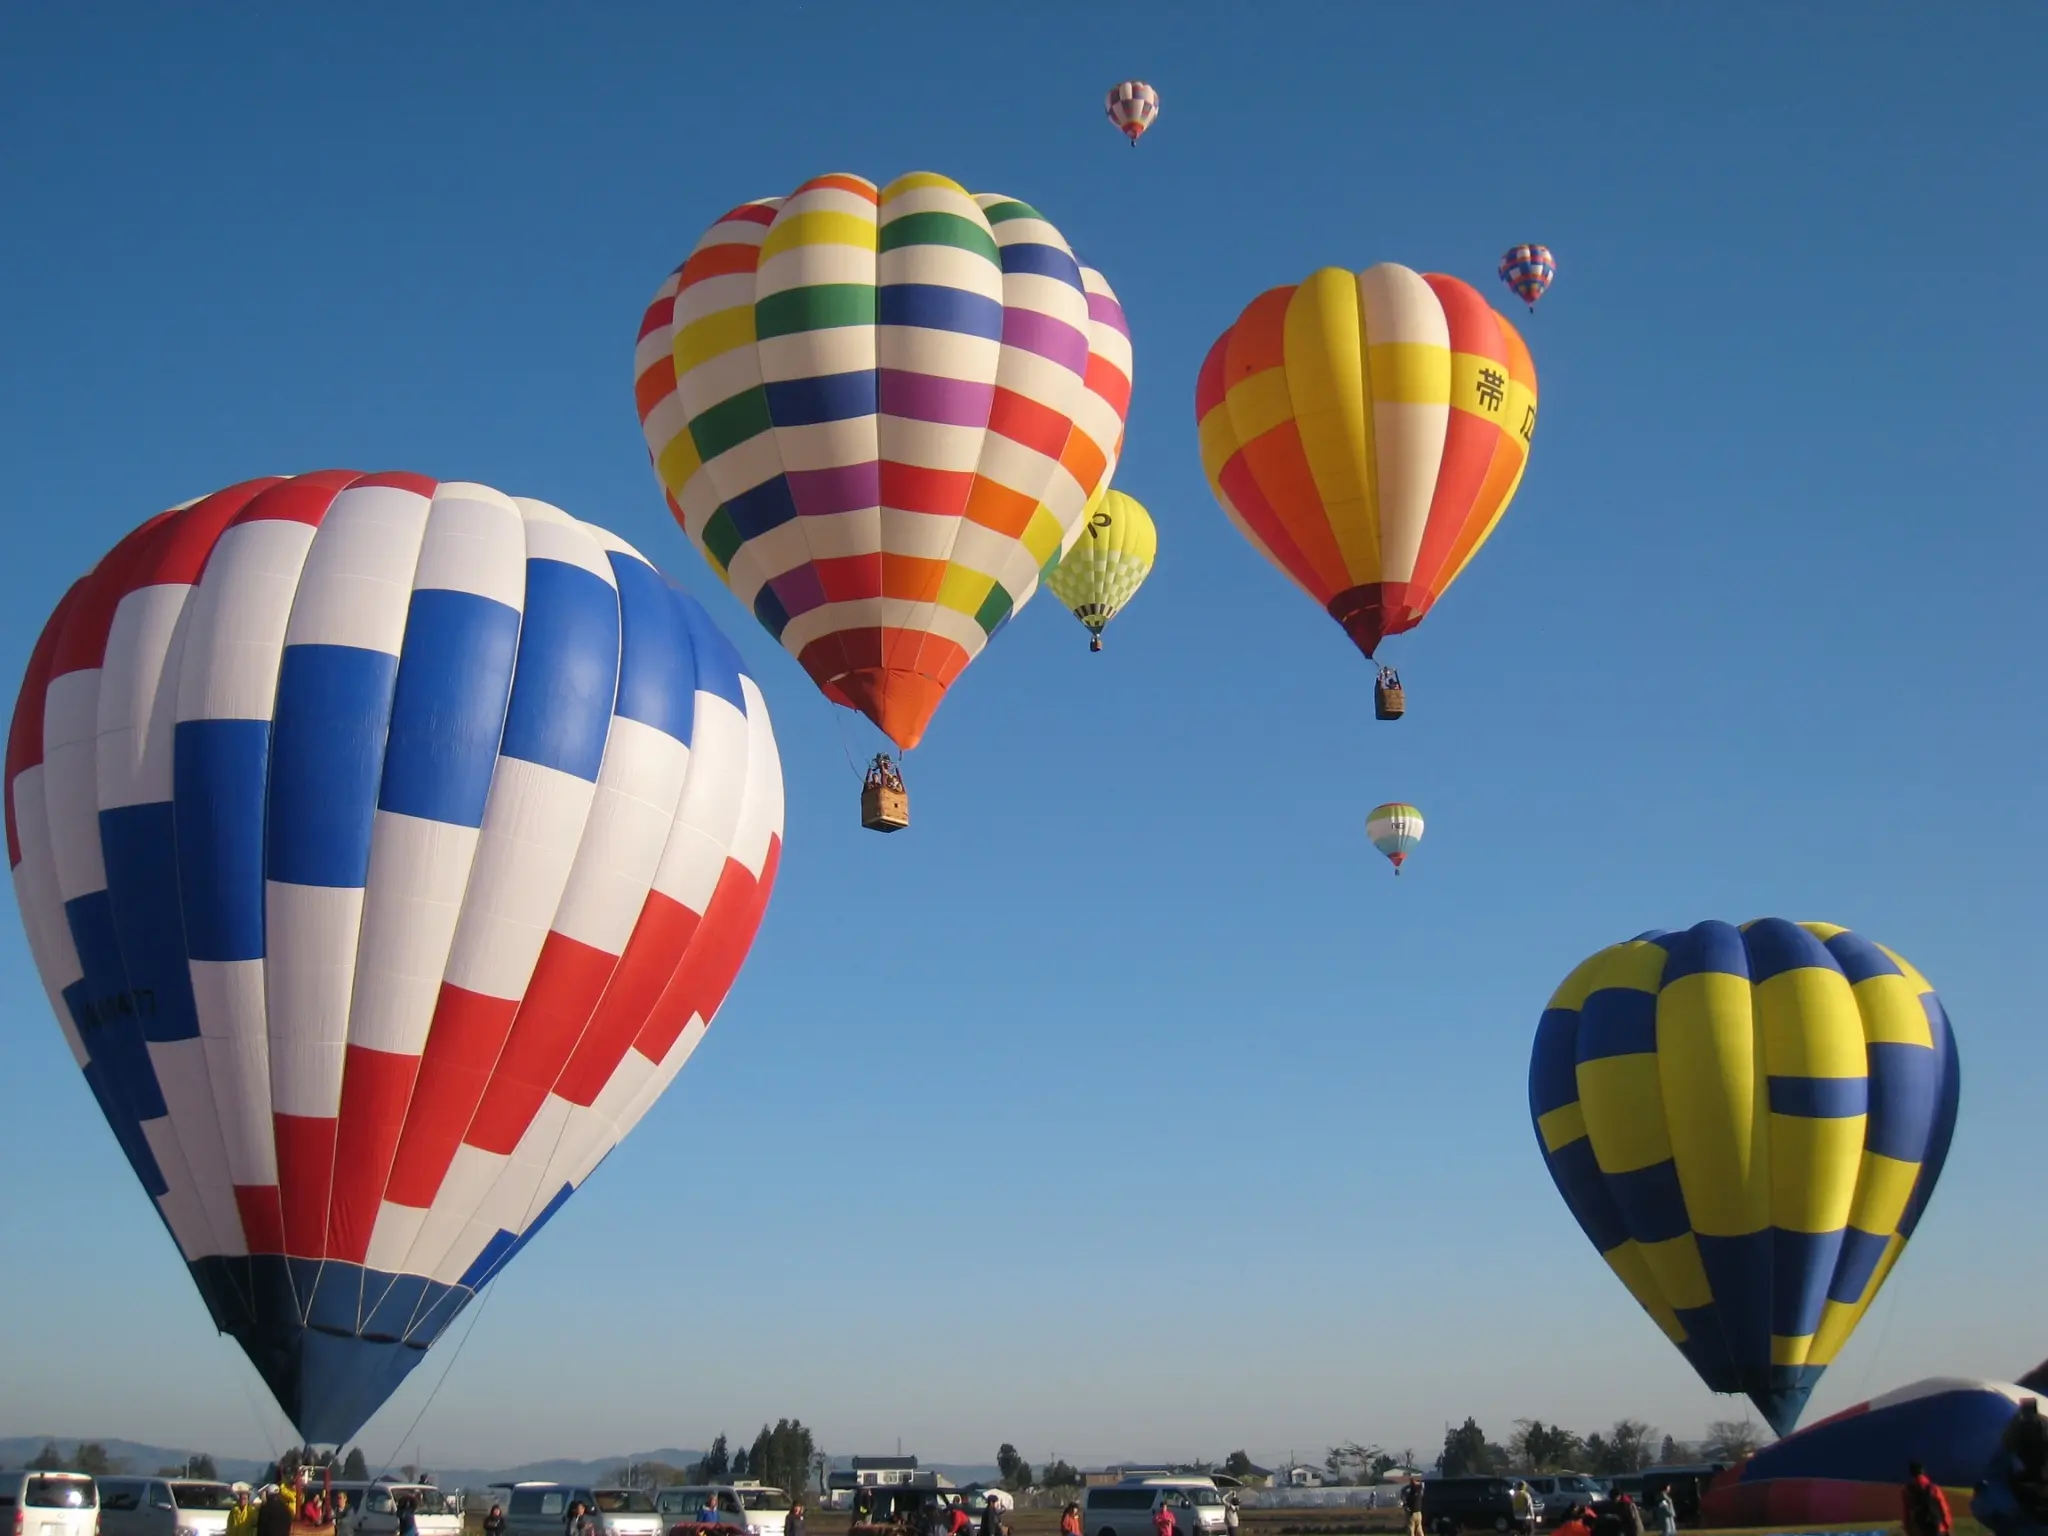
[[386, 846], [1528, 269]]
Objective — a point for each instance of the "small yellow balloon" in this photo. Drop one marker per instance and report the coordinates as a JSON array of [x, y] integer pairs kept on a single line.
[[1108, 563]]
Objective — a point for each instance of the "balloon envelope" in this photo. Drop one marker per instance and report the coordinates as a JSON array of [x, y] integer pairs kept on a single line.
[[1365, 432], [1747, 1122], [1109, 562], [385, 846], [1529, 270], [1848, 1467], [1395, 829], [1132, 105], [880, 415]]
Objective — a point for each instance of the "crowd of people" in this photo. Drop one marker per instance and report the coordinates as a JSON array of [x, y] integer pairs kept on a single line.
[[278, 1508]]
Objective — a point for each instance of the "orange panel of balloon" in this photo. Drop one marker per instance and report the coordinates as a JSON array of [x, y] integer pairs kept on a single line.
[[879, 414], [1365, 432]]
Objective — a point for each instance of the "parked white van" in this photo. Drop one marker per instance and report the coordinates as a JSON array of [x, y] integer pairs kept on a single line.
[[163, 1506], [48, 1504], [767, 1508], [376, 1509], [710, 1504], [1126, 1508], [539, 1509]]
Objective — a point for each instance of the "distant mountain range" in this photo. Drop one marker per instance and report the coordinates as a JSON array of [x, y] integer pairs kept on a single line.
[[127, 1455], [133, 1456]]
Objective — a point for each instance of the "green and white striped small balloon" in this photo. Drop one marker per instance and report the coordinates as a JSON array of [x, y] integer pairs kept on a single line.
[[1396, 830]]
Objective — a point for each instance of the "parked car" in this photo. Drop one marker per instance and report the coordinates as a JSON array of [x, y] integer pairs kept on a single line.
[[704, 1504], [49, 1504], [1126, 1508], [539, 1509], [163, 1506], [918, 1505], [376, 1507], [1454, 1504], [767, 1508], [1560, 1491]]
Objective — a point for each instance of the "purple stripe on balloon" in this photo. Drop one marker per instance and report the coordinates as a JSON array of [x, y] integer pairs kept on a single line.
[[843, 488], [1105, 310], [1048, 336], [925, 397], [798, 589]]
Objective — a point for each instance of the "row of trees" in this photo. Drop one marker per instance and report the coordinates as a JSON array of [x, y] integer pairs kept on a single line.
[[92, 1457], [784, 1456], [1628, 1445]]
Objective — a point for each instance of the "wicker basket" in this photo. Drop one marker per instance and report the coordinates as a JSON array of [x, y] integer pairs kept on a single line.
[[1388, 701], [883, 809]]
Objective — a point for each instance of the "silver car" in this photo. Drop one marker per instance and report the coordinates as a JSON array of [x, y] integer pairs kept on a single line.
[[707, 1504]]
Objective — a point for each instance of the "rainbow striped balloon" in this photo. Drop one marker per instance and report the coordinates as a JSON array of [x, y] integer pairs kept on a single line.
[[880, 415]]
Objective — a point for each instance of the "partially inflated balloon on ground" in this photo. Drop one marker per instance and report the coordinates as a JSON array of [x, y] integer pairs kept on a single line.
[[385, 845], [1748, 1123], [1108, 563], [880, 416]]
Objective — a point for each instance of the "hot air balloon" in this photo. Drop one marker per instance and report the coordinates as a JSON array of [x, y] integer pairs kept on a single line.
[[880, 415], [1528, 269], [1747, 1122], [1396, 830], [1365, 432], [386, 846], [1131, 106], [1108, 564], [1845, 1471]]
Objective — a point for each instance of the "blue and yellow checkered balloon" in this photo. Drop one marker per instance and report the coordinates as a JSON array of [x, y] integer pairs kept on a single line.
[[1747, 1122]]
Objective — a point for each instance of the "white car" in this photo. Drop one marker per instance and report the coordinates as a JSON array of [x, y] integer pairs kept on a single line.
[[375, 1510], [49, 1504], [767, 1508], [1126, 1508], [710, 1504], [163, 1506]]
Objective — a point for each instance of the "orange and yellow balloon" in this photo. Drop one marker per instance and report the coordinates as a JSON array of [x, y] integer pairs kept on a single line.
[[1365, 431]]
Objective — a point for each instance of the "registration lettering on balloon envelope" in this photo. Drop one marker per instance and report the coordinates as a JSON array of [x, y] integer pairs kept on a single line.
[[385, 845]]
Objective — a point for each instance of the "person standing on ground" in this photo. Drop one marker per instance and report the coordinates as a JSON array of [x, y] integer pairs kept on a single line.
[[1411, 1504], [1231, 1517], [1923, 1504], [344, 1519], [793, 1523], [408, 1517], [1162, 1520], [1574, 1523], [1666, 1511], [1523, 1503], [494, 1521], [242, 1518], [992, 1517], [275, 1517], [1070, 1520], [1631, 1515]]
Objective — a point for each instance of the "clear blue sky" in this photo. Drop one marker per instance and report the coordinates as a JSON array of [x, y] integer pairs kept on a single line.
[[1131, 1025]]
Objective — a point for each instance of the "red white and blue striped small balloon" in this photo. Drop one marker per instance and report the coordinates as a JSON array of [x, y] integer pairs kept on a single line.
[[386, 846], [1131, 106], [1528, 269]]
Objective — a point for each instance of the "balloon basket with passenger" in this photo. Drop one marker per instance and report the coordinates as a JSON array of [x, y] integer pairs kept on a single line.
[[1389, 700], [884, 802]]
